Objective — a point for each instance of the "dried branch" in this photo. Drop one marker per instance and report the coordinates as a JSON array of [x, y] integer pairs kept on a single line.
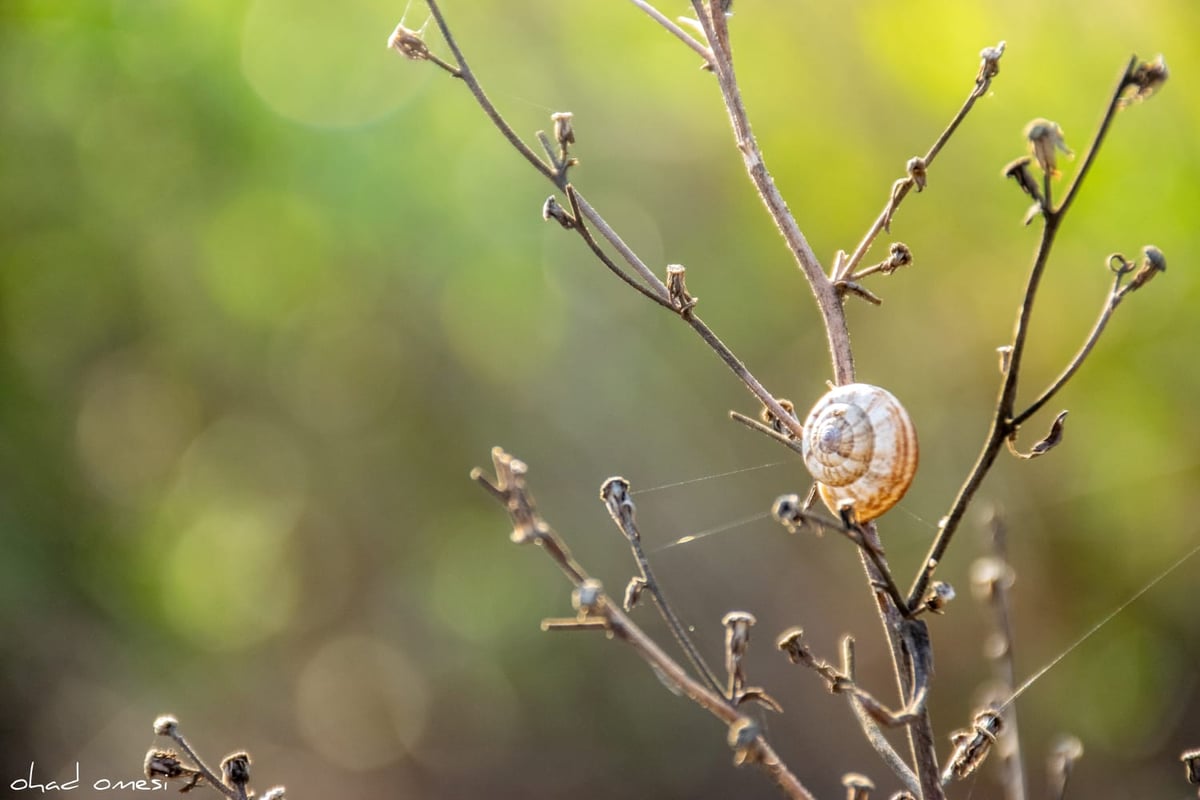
[[703, 51], [792, 514], [233, 782], [616, 496], [714, 23], [593, 604], [1152, 263], [918, 167], [907, 637], [1004, 425]]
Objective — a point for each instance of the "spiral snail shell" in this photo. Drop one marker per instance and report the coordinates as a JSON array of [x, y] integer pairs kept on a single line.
[[861, 447]]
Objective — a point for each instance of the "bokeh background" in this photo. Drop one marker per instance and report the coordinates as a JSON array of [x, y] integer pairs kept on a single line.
[[268, 291]]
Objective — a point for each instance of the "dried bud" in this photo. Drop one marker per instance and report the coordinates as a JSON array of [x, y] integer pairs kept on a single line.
[[742, 735], [916, 171], [615, 494], [939, 596], [737, 632], [1045, 138], [789, 511], [989, 66], [779, 426], [163, 764], [792, 643], [972, 746], [633, 592], [236, 768], [408, 43], [551, 210], [677, 291], [1153, 262], [1146, 79], [564, 131], [166, 725], [1191, 763], [586, 597], [1018, 170], [898, 256], [858, 787]]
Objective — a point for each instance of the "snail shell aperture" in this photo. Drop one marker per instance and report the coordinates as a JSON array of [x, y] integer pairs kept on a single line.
[[861, 447]]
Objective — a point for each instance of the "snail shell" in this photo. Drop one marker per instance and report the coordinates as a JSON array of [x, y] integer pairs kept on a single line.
[[861, 447]]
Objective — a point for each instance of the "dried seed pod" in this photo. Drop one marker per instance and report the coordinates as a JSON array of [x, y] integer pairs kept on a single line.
[[861, 447]]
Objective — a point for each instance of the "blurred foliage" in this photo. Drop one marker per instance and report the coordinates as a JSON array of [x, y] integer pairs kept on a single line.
[[267, 291]]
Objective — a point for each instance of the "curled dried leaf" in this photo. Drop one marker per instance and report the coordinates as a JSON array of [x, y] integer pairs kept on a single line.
[[1048, 443]]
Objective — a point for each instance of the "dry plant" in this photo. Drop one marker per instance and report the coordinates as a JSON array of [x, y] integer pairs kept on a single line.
[[854, 423], [164, 764]]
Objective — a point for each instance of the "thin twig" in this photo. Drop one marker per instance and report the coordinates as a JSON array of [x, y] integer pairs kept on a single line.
[[754, 425], [617, 498], [1089, 158], [678, 32], [871, 729], [577, 209], [468, 77], [903, 186], [1002, 426], [508, 488], [583, 209], [617, 242], [1114, 299], [217, 783], [828, 302]]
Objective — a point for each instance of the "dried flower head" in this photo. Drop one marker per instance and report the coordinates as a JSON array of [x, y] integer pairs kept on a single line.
[[899, 255], [236, 768], [408, 43], [586, 598], [1018, 170], [1191, 762], [858, 787], [166, 725], [1045, 138], [742, 737], [916, 169], [989, 65], [564, 131], [1146, 79], [1153, 262], [163, 764]]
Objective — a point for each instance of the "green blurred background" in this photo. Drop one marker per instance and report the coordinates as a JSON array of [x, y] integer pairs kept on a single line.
[[268, 291]]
